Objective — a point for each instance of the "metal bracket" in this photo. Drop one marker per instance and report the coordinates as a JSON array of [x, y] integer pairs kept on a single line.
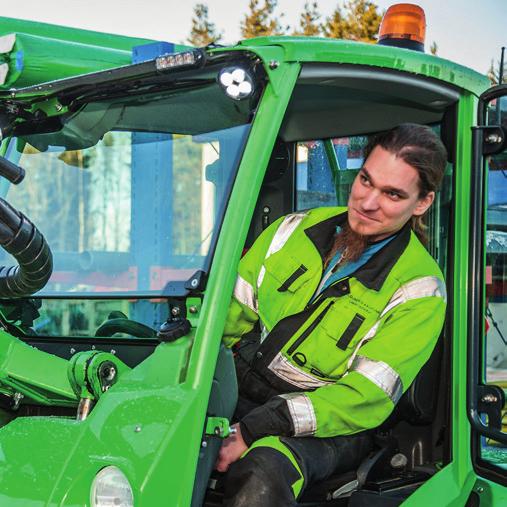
[[91, 374], [219, 427], [196, 282], [491, 400]]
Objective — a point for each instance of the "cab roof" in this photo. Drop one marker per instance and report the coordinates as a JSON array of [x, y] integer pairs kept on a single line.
[[317, 49]]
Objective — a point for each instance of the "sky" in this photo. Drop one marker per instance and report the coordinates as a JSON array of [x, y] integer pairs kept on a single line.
[[469, 32]]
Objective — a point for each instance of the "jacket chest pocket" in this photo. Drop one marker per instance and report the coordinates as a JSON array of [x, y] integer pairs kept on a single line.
[[283, 286], [328, 349]]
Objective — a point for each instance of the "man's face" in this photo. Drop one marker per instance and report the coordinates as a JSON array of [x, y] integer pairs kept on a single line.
[[385, 195]]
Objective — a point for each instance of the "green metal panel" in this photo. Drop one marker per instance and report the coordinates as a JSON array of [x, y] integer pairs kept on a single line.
[[40, 376], [64, 33], [34, 59], [39, 52], [490, 493], [460, 425], [143, 425]]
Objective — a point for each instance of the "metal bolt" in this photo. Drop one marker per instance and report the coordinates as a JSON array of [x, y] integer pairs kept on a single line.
[[273, 64], [58, 107], [480, 489], [204, 444], [399, 461], [266, 209], [93, 347], [72, 350], [137, 429], [192, 309], [109, 373], [258, 355], [233, 430], [175, 311], [113, 352], [218, 431], [17, 399], [489, 398], [194, 283]]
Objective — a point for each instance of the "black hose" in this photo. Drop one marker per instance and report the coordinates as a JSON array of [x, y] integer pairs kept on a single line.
[[20, 238]]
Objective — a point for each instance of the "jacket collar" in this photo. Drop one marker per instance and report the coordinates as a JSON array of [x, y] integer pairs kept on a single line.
[[374, 273]]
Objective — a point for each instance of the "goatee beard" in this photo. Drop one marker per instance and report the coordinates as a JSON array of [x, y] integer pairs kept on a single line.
[[350, 243]]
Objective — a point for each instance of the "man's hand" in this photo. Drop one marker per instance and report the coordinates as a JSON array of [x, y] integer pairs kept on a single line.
[[232, 449]]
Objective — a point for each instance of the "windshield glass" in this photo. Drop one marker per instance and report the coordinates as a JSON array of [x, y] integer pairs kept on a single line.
[[130, 192]]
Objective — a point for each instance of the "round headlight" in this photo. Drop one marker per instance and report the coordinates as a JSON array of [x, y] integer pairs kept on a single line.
[[111, 488]]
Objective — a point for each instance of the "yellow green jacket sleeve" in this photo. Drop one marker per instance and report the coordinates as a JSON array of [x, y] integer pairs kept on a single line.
[[243, 312]]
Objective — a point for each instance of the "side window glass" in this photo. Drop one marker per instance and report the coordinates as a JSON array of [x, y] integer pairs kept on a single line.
[[495, 338], [326, 170], [314, 176]]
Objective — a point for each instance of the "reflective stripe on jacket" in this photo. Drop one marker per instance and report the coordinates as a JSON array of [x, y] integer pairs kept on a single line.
[[338, 365]]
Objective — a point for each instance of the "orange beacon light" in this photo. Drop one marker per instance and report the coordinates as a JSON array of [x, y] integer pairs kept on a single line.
[[403, 25]]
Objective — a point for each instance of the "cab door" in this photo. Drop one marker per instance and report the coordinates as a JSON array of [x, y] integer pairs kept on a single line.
[[487, 361]]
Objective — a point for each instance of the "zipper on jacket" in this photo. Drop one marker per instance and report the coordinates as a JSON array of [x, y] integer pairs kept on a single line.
[[309, 329]]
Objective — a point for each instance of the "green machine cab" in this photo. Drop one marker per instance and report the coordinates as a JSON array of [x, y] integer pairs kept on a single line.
[[144, 183]]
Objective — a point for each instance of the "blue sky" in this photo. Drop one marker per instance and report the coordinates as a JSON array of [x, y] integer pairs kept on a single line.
[[470, 32]]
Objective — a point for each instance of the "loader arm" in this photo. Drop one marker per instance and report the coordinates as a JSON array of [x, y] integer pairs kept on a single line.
[[26, 372]]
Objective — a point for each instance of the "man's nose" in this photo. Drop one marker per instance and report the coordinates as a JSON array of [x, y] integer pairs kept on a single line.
[[370, 201]]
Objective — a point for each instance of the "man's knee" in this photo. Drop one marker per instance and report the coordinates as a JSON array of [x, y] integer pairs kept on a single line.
[[266, 475]]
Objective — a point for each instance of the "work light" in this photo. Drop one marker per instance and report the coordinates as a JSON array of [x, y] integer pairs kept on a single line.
[[111, 488], [236, 82]]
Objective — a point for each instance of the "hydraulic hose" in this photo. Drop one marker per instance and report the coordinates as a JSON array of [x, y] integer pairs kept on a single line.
[[20, 238]]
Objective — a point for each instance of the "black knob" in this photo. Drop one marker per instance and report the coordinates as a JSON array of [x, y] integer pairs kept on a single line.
[[173, 329]]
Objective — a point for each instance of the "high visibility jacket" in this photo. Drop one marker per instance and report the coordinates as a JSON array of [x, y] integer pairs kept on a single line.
[[336, 364]]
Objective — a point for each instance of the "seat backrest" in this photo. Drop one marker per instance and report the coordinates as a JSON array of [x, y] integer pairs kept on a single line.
[[418, 404], [276, 197]]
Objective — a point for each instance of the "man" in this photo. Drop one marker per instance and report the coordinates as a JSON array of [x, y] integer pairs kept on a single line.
[[350, 306]]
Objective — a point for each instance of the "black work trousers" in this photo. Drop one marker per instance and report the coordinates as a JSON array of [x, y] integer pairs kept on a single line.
[[266, 477]]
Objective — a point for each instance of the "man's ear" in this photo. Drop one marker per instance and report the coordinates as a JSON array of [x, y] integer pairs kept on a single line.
[[423, 204]]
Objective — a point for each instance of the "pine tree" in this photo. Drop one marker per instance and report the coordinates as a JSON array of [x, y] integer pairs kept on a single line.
[[361, 21], [259, 21], [203, 32], [334, 26], [309, 20]]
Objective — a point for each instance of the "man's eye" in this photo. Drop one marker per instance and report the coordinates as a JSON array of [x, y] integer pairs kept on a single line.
[[393, 195], [364, 179]]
